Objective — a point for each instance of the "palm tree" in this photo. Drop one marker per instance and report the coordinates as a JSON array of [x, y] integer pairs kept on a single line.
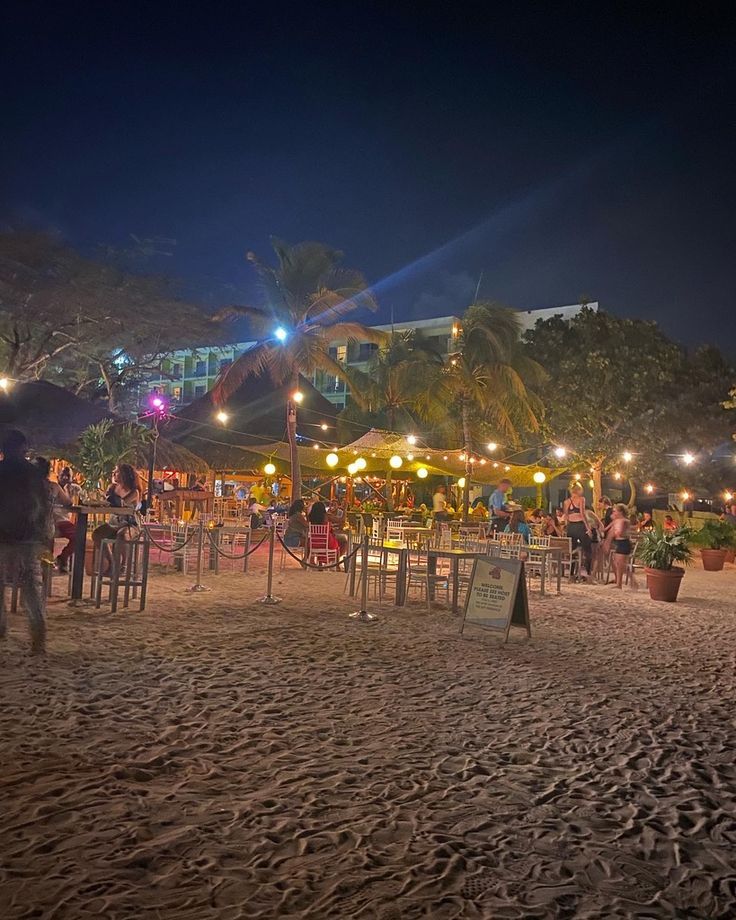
[[305, 298], [491, 380], [403, 385]]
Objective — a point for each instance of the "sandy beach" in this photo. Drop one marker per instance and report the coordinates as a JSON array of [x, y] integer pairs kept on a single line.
[[214, 758]]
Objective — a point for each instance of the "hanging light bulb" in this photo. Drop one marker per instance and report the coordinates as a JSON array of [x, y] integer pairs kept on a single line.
[[361, 463], [332, 459], [539, 477], [352, 469], [560, 452], [688, 458], [410, 456], [395, 462], [461, 482], [422, 472], [222, 417], [411, 439], [649, 488], [627, 456], [492, 446], [269, 469]]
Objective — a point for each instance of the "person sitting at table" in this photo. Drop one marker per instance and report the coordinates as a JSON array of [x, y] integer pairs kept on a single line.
[[479, 512], [124, 493], [297, 526], [255, 510], [60, 503], [517, 524], [338, 541], [647, 522]]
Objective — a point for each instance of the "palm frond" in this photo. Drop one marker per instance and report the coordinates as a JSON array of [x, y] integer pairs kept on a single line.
[[251, 363]]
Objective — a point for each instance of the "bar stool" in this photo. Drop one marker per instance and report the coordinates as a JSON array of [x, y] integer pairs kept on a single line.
[[130, 573]]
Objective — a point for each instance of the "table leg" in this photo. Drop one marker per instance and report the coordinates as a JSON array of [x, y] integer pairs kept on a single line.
[[543, 572], [401, 579], [455, 582], [559, 573], [80, 544], [431, 572]]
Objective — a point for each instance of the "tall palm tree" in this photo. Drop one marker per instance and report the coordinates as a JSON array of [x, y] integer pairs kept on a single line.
[[305, 297], [492, 380], [403, 385]]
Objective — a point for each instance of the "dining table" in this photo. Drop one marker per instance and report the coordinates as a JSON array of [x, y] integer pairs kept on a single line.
[[82, 513], [397, 548], [455, 556]]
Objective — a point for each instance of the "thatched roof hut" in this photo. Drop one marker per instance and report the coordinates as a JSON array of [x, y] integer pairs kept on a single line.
[[49, 416], [255, 418]]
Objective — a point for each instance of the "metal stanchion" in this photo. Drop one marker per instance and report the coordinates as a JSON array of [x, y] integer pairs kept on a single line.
[[269, 598], [198, 588], [362, 615]]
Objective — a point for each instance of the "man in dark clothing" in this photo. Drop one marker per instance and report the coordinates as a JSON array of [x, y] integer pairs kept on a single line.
[[26, 524]]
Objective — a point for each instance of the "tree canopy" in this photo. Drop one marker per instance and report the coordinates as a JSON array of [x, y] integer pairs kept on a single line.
[[620, 385], [87, 324]]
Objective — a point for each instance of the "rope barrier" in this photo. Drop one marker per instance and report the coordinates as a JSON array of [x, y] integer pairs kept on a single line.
[[308, 565], [230, 555], [163, 547]]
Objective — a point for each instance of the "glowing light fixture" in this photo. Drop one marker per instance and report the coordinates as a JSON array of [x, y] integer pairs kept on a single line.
[[332, 459], [617, 475], [577, 477], [492, 446], [280, 333], [422, 472], [269, 469], [315, 446], [462, 456], [627, 456], [728, 496], [352, 468], [222, 417], [4, 383], [685, 496], [539, 477], [649, 488], [410, 456], [361, 463], [395, 462], [591, 483], [411, 439], [688, 458], [324, 426], [461, 482], [560, 452], [506, 469], [298, 396]]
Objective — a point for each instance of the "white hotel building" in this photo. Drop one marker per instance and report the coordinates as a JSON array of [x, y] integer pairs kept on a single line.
[[190, 373]]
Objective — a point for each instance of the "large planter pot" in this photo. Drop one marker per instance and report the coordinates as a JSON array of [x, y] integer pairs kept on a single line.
[[713, 559], [664, 584]]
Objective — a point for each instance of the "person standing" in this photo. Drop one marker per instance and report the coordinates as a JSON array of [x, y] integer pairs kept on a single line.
[[439, 504], [621, 530], [25, 529], [60, 504], [499, 513], [577, 526]]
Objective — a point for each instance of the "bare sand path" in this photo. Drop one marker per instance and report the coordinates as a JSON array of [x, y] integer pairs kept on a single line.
[[211, 758]]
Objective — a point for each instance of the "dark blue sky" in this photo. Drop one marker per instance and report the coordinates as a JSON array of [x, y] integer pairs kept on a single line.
[[560, 155]]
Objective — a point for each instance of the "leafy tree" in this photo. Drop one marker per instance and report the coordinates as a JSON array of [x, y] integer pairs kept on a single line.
[[619, 385], [305, 297], [102, 446], [86, 324], [492, 380]]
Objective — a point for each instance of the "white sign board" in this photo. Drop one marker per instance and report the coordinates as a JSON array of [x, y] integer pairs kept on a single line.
[[497, 598]]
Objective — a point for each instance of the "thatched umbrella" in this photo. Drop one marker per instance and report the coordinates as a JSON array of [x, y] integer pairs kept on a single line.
[[49, 416]]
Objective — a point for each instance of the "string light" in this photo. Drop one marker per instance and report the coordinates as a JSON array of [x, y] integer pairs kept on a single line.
[[324, 426], [332, 459], [298, 396], [361, 463], [280, 333], [422, 472], [4, 383], [222, 417], [728, 496], [462, 457], [560, 452], [410, 456], [539, 477], [411, 439], [269, 469], [506, 469], [617, 475], [688, 458], [685, 496], [461, 482], [627, 456], [395, 462], [352, 469], [492, 446], [649, 488]]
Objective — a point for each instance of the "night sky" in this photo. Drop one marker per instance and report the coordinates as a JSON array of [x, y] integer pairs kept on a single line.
[[560, 155]]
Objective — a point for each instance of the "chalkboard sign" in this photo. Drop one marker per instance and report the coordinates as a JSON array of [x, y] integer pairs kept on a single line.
[[497, 598]]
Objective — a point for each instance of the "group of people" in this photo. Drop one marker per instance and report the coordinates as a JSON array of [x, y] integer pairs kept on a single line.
[[300, 516]]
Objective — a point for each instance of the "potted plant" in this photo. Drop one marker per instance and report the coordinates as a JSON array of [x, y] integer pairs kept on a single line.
[[715, 538], [659, 550]]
